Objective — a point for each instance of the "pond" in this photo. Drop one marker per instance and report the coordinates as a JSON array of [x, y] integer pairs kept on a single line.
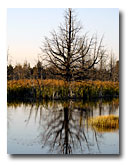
[[60, 127]]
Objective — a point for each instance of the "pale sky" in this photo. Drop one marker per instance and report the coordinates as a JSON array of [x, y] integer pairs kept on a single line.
[[27, 27]]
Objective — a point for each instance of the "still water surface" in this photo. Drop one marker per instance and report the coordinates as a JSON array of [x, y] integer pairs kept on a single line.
[[60, 128]]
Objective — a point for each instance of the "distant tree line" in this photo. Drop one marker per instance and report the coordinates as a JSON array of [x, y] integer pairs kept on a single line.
[[25, 71]]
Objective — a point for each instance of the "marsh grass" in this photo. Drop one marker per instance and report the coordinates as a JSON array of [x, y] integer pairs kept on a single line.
[[58, 89], [104, 123]]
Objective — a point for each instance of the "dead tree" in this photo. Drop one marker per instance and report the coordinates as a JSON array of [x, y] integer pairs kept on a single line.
[[70, 54]]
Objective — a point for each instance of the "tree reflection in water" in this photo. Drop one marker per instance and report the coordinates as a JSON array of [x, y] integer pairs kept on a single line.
[[63, 133], [65, 129]]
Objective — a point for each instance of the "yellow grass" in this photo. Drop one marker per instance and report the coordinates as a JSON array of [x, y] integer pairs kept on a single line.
[[47, 88], [107, 122], [53, 82]]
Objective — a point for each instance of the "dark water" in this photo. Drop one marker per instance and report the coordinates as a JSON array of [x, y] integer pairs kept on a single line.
[[60, 128]]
